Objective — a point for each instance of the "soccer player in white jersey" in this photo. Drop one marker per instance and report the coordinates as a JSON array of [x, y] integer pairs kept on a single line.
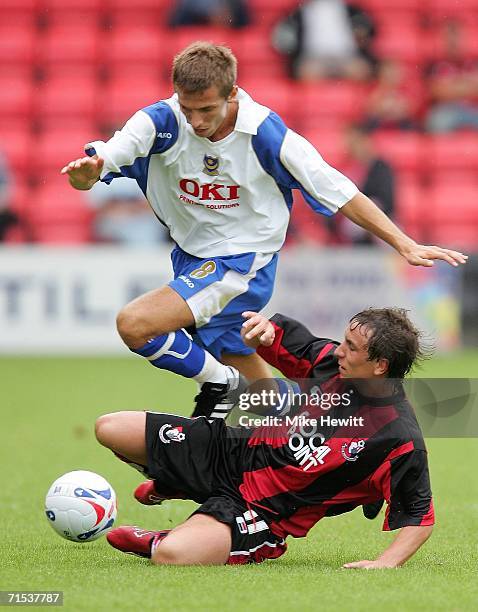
[[218, 170]]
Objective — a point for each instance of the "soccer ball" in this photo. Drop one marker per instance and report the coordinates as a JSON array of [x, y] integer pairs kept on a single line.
[[81, 506]]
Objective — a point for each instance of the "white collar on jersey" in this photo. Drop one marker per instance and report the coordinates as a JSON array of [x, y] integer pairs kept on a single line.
[[250, 114]]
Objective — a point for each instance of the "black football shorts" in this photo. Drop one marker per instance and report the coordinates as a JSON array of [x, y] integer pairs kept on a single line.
[[193, 456]]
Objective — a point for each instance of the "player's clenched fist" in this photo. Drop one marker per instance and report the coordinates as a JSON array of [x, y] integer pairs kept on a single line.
[[257, 330], [84, 172]]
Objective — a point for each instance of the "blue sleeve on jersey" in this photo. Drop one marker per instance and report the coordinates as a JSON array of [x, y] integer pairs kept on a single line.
[[267, 145], [166, 124], [167, 131]]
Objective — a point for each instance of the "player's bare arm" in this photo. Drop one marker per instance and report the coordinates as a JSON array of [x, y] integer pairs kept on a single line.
[[405, 545], [84, 172], [362, 211]]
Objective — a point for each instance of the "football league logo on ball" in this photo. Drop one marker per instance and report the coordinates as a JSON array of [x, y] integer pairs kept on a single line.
[[211, 165]]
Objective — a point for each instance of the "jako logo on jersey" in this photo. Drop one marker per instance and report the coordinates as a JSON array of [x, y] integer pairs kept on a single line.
[[211, 165], [168, 433], [309, 454], [186, 280], [351, 450], [164, 135], [209, 191]]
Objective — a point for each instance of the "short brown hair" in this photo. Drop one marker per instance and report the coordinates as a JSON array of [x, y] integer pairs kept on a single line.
[[393, 337], [202, 65]]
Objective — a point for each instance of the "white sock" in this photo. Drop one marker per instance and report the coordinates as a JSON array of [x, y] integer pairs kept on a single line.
[[213, 371]]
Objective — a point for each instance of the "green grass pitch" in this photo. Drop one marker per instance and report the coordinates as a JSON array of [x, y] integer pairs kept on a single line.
[[48, 407]]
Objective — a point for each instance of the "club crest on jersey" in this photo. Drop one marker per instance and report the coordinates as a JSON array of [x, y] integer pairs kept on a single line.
[[211, 165], [351, 450], [168, 433]]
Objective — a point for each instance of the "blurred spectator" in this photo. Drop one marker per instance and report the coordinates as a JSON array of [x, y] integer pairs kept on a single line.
[[453, 86], [391, 102], [123, 215], [7, 217], [327, 39], [373, 176], [232, 13]]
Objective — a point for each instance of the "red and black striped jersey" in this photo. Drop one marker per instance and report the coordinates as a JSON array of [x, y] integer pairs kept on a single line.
[[361, 451]]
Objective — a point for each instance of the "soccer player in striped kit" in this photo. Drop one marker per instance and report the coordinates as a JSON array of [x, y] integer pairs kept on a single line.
[[256, 487], [218, 170]]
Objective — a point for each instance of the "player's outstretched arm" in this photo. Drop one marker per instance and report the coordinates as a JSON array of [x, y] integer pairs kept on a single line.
[[405, 545], [257, 330], [362, 211], [84, 172]]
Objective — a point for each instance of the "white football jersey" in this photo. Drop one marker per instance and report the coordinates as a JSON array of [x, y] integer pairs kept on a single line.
[[227, 197]]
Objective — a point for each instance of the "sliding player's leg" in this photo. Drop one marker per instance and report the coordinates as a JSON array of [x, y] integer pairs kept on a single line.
[[201, 540], [224, 530], [124, 434]]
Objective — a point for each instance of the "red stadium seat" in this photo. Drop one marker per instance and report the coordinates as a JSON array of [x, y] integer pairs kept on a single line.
[[256, 56], [70, 5], [61, 215], [404, 150], [55, 148], [139, 13], [140, 5], [16, 98], [329, 143], [277, 95], [122, 97], [412, 208], [400, 41], [444, 9], [336, 100], [70, 96], [306, 225], [69, 44], [16, 143], [453, 152], [454, 214], [391, 5], [27, 6], [129, 45], [461, 236], [434, 41], [267, 12], [17, 44], [62, 71], [72, 12]]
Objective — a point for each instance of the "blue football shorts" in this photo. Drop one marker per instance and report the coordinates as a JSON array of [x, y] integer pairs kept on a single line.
[[218, 290]]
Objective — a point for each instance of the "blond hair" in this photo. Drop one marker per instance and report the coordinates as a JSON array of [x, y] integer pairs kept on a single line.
[[202, 65]]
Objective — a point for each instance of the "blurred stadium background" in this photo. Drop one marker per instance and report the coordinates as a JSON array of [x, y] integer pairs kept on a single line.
[[71, 72]]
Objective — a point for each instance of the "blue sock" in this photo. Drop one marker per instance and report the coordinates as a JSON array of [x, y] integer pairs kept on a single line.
[[178, 353]]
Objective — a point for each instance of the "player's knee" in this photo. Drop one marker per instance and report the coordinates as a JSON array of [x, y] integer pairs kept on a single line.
[[170, 553], [105, 429], [132, 327]]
